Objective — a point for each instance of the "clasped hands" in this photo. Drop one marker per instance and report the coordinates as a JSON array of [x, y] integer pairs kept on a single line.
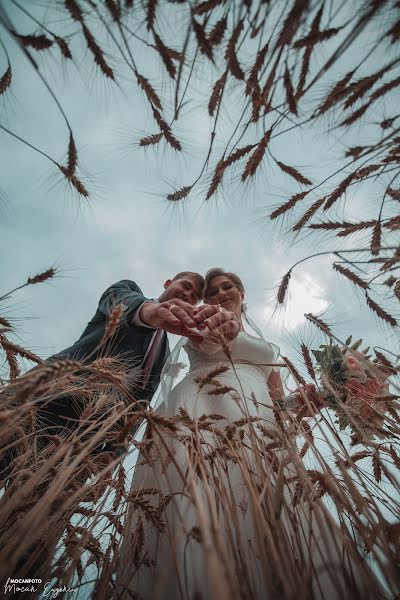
[[182, 318]]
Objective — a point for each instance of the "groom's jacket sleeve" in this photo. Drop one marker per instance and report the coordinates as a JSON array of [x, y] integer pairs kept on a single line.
[[130, 340], [125, 292]]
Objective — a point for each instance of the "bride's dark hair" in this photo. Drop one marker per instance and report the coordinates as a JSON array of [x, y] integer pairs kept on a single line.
[[217, 272]]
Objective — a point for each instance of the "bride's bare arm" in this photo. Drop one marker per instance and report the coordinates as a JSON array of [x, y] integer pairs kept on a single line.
[[275, 386], [304, 395]]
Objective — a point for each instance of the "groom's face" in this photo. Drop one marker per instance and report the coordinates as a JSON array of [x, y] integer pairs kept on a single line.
[[185, 288]]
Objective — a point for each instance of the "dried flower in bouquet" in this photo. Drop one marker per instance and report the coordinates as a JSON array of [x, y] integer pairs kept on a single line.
[[355, 387]]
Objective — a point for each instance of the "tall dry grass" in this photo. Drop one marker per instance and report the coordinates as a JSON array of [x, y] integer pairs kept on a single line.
[[252, 509], [317, 503]]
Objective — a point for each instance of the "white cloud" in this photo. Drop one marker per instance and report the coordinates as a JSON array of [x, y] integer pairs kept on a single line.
[[306, 295]]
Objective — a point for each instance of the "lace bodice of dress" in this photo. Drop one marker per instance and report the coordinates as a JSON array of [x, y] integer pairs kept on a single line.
[[245, 348]]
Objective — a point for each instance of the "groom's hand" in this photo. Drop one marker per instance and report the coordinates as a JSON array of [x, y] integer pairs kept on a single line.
[[174, 316]]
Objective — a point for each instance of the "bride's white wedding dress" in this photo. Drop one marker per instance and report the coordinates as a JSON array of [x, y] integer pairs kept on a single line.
[[211, 496]]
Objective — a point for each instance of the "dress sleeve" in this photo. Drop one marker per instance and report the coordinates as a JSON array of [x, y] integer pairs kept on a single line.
[[125, 292]]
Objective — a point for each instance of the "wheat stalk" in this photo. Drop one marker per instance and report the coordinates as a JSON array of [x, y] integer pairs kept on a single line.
[[378, 310], [283, 287], [257, 156], [5, 80], [351, 276]]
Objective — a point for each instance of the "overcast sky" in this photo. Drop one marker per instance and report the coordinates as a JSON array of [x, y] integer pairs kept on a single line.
[[129, 231]]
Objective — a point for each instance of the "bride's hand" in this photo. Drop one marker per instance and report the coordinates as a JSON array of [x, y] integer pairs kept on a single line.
[[223, 324], [201, 313], [309, 395]]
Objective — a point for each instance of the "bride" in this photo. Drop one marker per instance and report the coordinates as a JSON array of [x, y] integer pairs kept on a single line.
[[213, 510]]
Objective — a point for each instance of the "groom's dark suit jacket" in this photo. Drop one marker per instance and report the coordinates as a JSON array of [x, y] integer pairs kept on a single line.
[[130, 342]]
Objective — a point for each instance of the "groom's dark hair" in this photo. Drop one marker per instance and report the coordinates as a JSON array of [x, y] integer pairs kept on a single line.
[[199, 279]]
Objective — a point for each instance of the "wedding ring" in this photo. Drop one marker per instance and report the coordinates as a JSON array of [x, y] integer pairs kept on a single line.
[[173, 306]]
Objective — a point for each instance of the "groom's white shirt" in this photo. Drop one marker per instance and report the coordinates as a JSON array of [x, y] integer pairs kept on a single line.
[[137, 320]]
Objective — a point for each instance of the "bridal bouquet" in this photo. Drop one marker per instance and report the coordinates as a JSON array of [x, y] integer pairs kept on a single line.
[[356, 388]]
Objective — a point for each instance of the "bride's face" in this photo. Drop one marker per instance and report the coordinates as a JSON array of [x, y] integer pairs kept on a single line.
[[222, 290]]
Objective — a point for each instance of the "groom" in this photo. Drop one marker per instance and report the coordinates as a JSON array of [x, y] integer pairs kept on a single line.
[[140, 339]]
